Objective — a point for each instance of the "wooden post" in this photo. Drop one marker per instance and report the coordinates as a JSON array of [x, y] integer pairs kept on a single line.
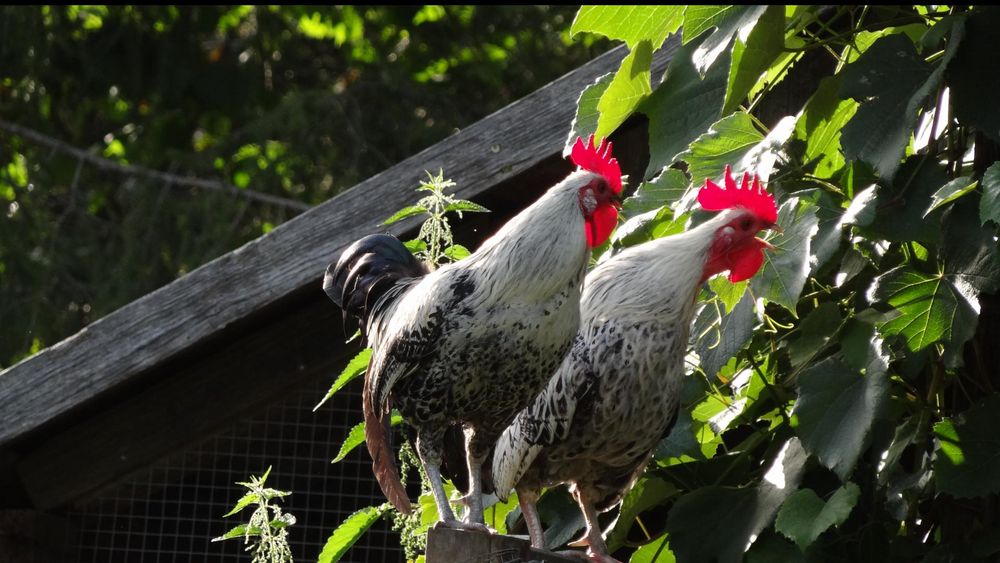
[[445, 545]]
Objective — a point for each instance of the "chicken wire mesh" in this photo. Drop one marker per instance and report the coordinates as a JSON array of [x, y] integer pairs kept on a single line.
[[170, 511]]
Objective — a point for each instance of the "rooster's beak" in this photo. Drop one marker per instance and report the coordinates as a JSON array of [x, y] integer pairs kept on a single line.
[[764, 243]]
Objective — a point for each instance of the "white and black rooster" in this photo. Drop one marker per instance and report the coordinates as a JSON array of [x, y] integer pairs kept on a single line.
[[473, 342], [610, 401]]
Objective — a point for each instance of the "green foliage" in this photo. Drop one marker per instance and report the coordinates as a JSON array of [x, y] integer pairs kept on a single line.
[[349, 531], [864, 339], [266, 533], [294, 102]]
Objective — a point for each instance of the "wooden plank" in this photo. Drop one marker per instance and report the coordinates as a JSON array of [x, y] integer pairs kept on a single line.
[[445, 545]]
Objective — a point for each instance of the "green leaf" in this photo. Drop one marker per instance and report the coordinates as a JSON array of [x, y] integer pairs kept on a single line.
[[950, 192], [456, 252], [727, 21], [239, 532], [648, 492], [894, 82], [730, 293], [722, 336], [283, 521], [349, 531], [929, 305], [683, 107], [627, 90], [585, 122], [561, 517], [989, 205], [656, 551], [815, 332], [665, 189], [744, 511], [355, 367], [247, 500], [755, 55], [820, 127], [974, 72], [631, 24], [461, 205], [275, 493], [356, 437], [786, 268], [404, 213], [728, 141], [900, 207], [966, 462], [970, 253], [837, 406], [805, 516]]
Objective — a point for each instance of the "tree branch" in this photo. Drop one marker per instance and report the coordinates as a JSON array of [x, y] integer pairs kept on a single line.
[[133, 170]]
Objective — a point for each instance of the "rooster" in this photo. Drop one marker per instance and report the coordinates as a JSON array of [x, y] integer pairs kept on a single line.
[[606, 407], [473, 342]]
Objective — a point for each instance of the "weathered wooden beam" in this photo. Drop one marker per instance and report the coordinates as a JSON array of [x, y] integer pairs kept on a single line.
[[445, 545]]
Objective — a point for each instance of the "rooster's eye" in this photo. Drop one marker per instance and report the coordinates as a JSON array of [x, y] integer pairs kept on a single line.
[[746, 224]]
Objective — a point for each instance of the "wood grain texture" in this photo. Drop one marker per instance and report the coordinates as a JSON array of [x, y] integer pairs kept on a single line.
[[445, 545], [211, 344]]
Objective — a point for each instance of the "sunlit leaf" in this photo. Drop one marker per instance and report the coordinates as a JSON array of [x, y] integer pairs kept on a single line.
[[728, 141], [738, 20], [628, 88], [754, 55], [585, 122], [665, 189], [950, 192], [820, 126], [354, 368], [721, 336], [631, 24], [786, 268], [356, 437], [349, 531], [648, 492]]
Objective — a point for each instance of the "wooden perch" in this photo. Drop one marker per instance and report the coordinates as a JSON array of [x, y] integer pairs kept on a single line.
[[445, 545]]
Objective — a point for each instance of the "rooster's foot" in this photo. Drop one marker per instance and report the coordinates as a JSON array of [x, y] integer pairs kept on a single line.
[[459, 525]]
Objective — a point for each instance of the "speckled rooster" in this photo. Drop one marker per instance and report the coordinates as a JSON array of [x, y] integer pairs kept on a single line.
[[472, 343], [610, 401]]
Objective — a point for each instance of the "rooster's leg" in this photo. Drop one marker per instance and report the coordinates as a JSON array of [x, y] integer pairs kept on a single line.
[[597, 551], [429, 449], [476, 455], [528, 500]]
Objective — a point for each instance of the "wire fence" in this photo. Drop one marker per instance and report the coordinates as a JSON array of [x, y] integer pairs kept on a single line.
[[171, 511]]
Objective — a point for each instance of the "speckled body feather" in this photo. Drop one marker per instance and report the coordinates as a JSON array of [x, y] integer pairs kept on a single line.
[[616, 393]]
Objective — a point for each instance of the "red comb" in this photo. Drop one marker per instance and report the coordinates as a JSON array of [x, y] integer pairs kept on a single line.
[[753, 197], [598, 160]]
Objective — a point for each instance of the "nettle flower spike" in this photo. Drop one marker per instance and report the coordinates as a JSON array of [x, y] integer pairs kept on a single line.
[[753, 196], [598, 159]]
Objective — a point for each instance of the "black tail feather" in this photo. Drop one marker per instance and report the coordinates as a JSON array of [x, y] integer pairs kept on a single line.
[[366, 271]]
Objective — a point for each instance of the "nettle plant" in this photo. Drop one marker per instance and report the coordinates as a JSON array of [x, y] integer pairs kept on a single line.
[[842, 403]]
